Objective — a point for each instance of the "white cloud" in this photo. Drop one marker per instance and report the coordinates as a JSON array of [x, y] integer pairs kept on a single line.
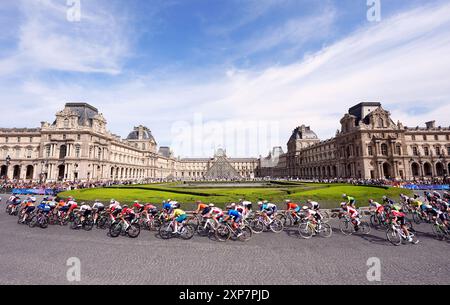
[[402, 62], [48, 41]]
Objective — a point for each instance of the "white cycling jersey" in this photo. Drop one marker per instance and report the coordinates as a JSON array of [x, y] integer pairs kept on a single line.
[[85, 207], [98, 205]]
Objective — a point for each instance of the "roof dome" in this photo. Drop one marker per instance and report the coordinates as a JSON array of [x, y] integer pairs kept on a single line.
[[303, 133], [141, 133]]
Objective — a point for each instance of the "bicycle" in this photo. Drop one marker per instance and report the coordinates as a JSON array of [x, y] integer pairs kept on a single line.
[[87, 224], [186, 231], [225, 231], [121, 226], [440, 229], [207, 227], [347, 227], [307, 229], [39, 218], [261, 223], [396, 236], [378, 219]]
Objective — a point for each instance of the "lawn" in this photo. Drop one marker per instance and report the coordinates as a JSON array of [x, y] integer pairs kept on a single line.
[[328, 195]]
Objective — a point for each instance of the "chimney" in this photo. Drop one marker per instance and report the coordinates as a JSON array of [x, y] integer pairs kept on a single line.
[[431, 124]]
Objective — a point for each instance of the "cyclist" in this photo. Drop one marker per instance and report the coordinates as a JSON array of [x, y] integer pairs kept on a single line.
[[127, 215], [246, 204], [84, 211], [98, 207], [399, 218], [268, 210], [200, 207], [115, 207], [350, 200], [236, 218], [377, 208], [312, 215], [138, 207], [352, 213], [178, 216], [215, 213], [313, 204], [29, 208], [293, 208]]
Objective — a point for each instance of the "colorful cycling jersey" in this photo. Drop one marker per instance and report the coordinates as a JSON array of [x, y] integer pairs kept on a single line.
[[246, 204], [268, 207], [352, 211], [178, 212], [29, 204], [240, 209], [115, 206], [397, 213], [350, 199], [375, 205], [149, 207], [234, 213], [61, 204], [127, 211], [201, 207], [167, 206], [215, 211], [44, 207], [292, 206]]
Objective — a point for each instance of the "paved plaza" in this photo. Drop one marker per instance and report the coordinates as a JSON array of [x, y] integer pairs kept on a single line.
[[38, 256]]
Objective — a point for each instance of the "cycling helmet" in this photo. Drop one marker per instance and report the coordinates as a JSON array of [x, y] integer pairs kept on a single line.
[[343, 204], [305, 208], [308, 201], [211, 205], [344, 195], [260, 203], [370, 200], [287, 201], [265, 201], [112, 201], [177, 205], [125, 206], [384, 197], [233, 205]]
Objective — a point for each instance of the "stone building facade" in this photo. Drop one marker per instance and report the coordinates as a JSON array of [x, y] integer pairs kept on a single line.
[[78, 146], [369, 145]]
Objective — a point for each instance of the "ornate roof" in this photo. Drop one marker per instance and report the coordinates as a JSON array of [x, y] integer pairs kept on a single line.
[[145, 133], [302, 133]]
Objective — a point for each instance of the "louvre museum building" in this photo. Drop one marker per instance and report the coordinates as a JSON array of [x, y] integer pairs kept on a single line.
[[78, 146]]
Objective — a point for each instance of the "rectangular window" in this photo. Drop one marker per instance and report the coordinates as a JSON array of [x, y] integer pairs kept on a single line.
[[448, 151], [18, 139], [436, 137], [78, 137], [7, 140], [31, 139], [398, 150], [424, 137], [48, 151], [29, 153], [426, 151], [413, 137], [77, 151], [415, 151], [370, 150]]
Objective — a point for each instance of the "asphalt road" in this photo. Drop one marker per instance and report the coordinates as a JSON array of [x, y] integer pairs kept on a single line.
[[39, 256]]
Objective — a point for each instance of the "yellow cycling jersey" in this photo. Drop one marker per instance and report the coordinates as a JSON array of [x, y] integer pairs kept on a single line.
[[178, 212], [417, 203]]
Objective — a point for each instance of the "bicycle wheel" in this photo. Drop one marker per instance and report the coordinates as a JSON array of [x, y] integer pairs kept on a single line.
[[88, 224], [165, 231], [75, 224], [134, 230], [193, 221], [101, 223], [305, 231], [187, 231], [247, 234], [223, 233], [437, 230], [33, 222], [325, 230], [203, 229], [283, 219], [276, 226], [364, 228], [374, 221], [115, 229], [325, 216], [346, 227], [257, 226], [416, 218], [43, 222], [393, 237]]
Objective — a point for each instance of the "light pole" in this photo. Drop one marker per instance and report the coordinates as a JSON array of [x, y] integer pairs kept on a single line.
[[8, 162]]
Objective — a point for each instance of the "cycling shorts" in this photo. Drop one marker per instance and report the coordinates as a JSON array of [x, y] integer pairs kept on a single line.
[[181, 218], [29, 209]]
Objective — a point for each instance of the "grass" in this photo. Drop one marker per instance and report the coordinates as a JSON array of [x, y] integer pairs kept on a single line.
[[328, 195]]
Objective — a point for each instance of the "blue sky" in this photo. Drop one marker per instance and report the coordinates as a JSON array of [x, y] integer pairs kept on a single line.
[[232, 64]]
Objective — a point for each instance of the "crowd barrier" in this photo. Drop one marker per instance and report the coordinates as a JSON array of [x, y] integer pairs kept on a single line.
[[48, 192], [434, 187]]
